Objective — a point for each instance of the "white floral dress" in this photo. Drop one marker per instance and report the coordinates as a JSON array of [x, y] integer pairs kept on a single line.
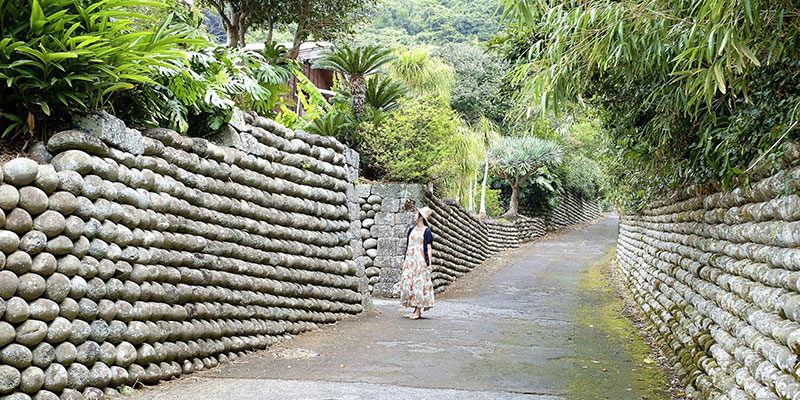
[[416, 288]]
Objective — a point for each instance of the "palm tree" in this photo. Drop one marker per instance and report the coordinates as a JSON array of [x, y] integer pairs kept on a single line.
[[422, 73], [355, 64], [488, 132], [515, 158]]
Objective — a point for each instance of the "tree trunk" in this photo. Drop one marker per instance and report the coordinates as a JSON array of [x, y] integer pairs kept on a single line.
[[516, 184], [232, 30], [513, 206], [483, 188], [233, 36], [300, 33], [469, 203], [474, 193], [298, 40], [269, 32], [358, 94], [242, 34]]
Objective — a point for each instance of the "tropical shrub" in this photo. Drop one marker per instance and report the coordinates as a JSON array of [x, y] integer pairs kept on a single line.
[[63, 56], [383, 93], [494, 203], [538, 194], [580, 175], [412, 142], [207, 85], [337, 124]]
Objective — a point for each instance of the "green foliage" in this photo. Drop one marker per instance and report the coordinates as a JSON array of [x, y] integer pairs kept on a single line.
[[539, 193], [580, 175], [413, 22], [314, 105], [355, 64], [362, 60], [337, 124], [63, 56], [477, 91], [468, 153], [494, 203], [208, 85], [322, 20], [517, 158], [412, 142], [206, 88], [423, 73], [384, 93], [689, 92]]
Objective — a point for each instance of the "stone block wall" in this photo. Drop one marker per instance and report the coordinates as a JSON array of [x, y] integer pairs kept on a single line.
[[387, 210], [530, 228], [138, 257], [719, 278]]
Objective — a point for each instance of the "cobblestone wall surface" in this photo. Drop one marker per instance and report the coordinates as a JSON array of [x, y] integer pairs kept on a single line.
[[386, 214], [570, 210], [141, 256], [719, 278], [461, 240]]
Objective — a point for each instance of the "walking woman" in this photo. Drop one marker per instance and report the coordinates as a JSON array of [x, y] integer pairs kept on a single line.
[[416, 288]]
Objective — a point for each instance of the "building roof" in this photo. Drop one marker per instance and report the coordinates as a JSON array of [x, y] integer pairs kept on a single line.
[[308, 50]]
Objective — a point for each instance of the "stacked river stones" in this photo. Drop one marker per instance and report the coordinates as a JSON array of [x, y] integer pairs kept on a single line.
[[719, 278], [571, 209], [462, 242], [530, 228], [138, 258], [370, 206]]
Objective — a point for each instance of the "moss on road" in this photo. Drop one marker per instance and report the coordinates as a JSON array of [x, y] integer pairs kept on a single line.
[[612, 359]]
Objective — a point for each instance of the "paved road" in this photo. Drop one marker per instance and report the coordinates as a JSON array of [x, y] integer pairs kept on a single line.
[[531, 324]]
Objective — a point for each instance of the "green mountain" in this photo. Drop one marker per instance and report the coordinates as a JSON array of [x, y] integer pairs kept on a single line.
[[414, 22]]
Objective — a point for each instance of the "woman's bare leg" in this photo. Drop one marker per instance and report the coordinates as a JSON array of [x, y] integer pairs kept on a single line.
[[417, 313]]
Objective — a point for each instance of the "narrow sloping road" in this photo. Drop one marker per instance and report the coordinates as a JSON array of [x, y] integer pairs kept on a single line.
[[539, 322]]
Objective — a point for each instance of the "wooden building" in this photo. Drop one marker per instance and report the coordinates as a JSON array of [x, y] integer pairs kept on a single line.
[[321, 78]]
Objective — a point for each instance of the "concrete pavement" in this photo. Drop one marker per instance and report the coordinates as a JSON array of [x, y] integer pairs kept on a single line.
[[539, 322]]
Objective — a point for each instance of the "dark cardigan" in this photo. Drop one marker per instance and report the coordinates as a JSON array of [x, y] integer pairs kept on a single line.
[[427, 238]]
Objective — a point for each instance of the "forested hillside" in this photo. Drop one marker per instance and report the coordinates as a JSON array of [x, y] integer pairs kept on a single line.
[[413, 22]]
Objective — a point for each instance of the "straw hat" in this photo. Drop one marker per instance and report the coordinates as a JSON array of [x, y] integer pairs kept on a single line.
[[426, 213]]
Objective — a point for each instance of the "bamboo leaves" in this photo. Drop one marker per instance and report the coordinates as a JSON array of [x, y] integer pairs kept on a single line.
[[684, 87], [708, 41]]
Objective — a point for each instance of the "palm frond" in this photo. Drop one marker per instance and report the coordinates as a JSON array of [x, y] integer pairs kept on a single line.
[[363, 60], [384, 93], [488, 132], [423, 73], [516, 156]]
